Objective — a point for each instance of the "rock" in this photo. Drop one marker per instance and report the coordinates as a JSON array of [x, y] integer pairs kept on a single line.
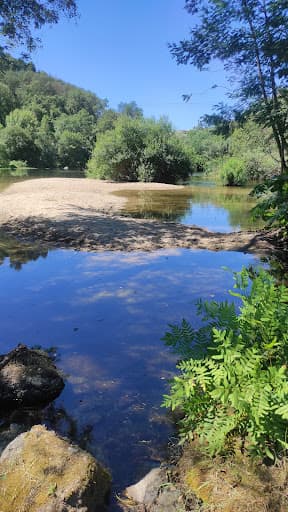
[[155, 493], [28, 377], [41, 472], [146, 490]]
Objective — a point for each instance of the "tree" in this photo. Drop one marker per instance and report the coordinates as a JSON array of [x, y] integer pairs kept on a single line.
[[106, 121], [7, 102], [130, 109], [139, 150], [24, 119], [18, 19], [82, 123], [19, 144], [251, 38], [72, 150]]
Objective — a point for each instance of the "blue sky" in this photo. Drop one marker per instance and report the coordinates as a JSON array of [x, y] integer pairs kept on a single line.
[[118, 49]]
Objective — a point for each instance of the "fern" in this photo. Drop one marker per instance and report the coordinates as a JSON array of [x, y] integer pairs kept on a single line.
[[233, 380]]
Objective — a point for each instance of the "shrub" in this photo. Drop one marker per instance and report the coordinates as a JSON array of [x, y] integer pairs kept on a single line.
[[273, 207], [233, 383], [17, 164], [233, 172], [139, 149]]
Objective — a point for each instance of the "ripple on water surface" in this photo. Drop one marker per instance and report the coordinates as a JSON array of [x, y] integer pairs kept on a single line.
[[106, 313]]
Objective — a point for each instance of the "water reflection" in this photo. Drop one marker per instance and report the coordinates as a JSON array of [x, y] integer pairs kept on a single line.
[[19, 254], [106, 313], [217, 208]]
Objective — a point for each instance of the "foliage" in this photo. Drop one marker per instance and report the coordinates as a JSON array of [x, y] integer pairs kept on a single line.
[[248, 144], [130, 109], [233, 381], [273, 207], [17, 164], [223, 120], [205, 147], [72, 150], [19, 144], [38, 111], [18, 19], [233, 172], [139, 149], [250, 37]]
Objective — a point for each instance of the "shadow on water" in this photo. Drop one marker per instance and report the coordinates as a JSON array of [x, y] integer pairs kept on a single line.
[[106, 313]]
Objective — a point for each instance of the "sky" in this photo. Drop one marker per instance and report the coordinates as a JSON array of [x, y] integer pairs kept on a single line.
[[119, 50]]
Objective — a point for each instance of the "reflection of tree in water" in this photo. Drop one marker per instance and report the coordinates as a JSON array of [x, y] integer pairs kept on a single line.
[[174, 204], [236, 201], [157, 204], [20, 253]]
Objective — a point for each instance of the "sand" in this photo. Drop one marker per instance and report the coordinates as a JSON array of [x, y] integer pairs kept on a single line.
[[85, 215]]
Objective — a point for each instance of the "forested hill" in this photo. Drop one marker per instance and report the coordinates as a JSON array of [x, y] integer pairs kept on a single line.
[[45, 121]]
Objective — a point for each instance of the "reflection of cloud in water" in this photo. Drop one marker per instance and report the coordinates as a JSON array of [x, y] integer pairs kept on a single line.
[[105, 294], [134, 258], [85, 375], [153, 284]]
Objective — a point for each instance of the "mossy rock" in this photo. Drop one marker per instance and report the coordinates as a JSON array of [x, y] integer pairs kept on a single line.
[[41, 472]]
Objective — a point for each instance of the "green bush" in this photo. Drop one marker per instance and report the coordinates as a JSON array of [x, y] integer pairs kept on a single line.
[[17, 164], [233, 172], [139, 149], [233, 382], [273, 206]]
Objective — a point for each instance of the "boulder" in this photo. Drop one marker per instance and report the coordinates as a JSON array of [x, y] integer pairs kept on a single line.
[[41, 472], [154, 493], [28, 377]]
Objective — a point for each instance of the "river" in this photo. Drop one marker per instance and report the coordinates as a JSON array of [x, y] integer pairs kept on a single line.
[[105, 314]]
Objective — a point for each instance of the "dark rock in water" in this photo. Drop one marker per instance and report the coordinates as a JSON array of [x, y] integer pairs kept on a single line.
[[28, 377], [45, 473]]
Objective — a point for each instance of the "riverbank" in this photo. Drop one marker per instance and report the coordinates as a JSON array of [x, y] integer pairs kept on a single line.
[[85, 215]]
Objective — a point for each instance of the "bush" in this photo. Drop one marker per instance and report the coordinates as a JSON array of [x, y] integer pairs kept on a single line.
[[233, 382], [273, 207], [233, 172], [139, 150], [17, 164]]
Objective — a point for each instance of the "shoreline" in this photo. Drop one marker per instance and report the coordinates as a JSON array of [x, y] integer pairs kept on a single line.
[[85, 215]]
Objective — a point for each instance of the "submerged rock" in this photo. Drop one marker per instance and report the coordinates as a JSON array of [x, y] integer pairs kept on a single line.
[[41, 472], [28, 377]]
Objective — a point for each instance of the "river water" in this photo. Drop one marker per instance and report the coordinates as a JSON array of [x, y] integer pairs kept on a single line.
[[105, 314]]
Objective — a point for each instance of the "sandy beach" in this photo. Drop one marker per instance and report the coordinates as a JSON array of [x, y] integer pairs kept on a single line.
[[84, 214]]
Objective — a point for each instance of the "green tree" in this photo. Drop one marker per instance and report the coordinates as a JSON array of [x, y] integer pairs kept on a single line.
[[106, 121], [24, 119], [250, 37], [139, 149], [72, 150], [19, 144], [7, 102], [18, 19], [82, 123], [130, 109], [78, 99], [46, 144]]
